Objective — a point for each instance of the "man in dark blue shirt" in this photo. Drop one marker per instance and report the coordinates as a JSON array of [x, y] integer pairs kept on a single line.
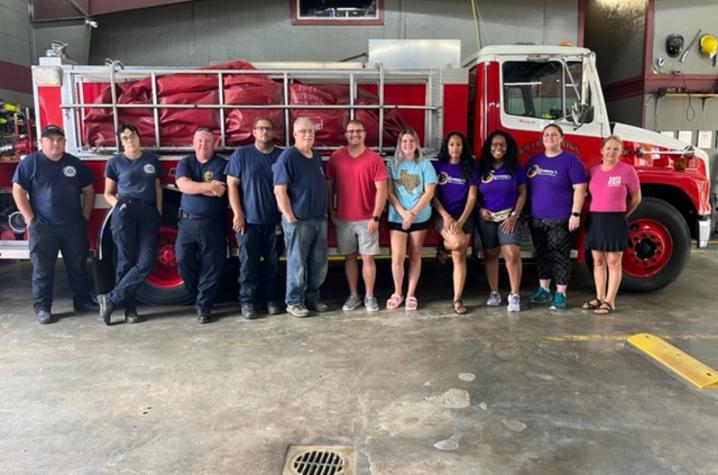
[[256, 218], [201, 246], [301, 191], [61, 199]]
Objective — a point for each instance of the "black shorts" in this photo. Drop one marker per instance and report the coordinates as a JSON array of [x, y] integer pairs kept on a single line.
[[414, 227], [607, 232]]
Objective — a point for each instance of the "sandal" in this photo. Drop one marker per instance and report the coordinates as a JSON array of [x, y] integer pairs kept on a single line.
[[592, 304], [411, 304], [459, 308], [604, 309], [394, 302]]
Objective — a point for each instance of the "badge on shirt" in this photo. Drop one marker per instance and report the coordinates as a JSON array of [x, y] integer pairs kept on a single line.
[[149, 169], [208, 175], [69, 171], [537, 170], [614, 180]]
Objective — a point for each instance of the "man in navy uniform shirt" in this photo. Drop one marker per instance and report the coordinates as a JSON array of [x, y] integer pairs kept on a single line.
[[256, 218], [201, 239], [301, 191], [61, 198]]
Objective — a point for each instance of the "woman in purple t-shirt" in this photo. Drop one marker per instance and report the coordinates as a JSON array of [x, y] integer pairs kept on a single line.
[[615, 193], [556, 191], [453, 203], [503, 195]]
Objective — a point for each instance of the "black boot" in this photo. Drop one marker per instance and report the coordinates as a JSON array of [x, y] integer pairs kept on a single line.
[[106, 309], [131, 315]]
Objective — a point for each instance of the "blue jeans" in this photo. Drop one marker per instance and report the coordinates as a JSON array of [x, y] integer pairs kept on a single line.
[[258, 241], [307, 258]]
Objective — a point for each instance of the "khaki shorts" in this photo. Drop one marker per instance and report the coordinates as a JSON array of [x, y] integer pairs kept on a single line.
[[352, 237]]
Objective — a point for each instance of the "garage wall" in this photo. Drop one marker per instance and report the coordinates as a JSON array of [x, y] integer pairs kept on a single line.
[[615, 30], [15, 58], [214, 30], [684, 18]]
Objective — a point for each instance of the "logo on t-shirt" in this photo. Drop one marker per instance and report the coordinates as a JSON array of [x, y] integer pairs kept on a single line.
[[69, 171], [614, 181], [208, 175], [149, 169], [537, 170], [445, 178], [408, 180]]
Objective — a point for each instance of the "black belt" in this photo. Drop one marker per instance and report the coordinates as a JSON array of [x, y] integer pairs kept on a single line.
[[135, 201], [197, 216]]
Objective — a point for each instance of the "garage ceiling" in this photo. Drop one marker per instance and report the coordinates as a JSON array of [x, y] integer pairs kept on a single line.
[[53, 10]]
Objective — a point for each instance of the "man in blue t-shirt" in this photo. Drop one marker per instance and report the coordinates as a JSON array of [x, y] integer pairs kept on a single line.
[[301, 191], [201, 238], [256, 218], [61, 199]]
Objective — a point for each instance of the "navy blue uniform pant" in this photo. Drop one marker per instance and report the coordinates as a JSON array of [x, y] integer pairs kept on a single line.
[[45, 242], [255, 275], [201, 253], [135, 230]]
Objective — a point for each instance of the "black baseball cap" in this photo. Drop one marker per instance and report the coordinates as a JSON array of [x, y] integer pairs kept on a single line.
[[52, 130]]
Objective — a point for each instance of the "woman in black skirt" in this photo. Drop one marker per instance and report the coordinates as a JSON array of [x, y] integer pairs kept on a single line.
[[615, 193]]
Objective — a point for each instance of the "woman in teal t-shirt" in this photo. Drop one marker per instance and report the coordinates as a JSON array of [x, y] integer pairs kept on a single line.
[[413, 180]]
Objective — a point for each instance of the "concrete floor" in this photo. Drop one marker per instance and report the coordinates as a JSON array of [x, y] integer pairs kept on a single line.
[[539, 392]]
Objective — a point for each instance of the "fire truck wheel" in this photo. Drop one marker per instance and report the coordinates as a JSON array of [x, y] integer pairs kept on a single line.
[[659, 246]]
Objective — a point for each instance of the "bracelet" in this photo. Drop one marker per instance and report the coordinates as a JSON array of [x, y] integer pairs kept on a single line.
[[412, 213]]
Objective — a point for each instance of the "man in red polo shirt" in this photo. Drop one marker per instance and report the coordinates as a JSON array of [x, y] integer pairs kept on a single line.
[[357, 176]]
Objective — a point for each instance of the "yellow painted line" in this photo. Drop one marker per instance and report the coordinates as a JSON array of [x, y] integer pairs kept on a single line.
[[681, 363], [620, 337]]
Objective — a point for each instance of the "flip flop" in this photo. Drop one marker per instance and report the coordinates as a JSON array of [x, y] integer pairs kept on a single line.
[[604, 309], [459, 307], [411, 304], [394, 302], [592, 304]]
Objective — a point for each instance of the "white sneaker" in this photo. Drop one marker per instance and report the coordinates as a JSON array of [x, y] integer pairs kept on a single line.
[[514, 303], [494, 299]]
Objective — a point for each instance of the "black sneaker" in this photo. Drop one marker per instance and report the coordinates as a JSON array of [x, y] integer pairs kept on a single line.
[[273, 308], [131, 315], [203, 316], [44, 317], [248, 312]]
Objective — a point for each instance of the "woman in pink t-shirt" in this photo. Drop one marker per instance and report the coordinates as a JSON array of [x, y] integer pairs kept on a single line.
[[615, 193]]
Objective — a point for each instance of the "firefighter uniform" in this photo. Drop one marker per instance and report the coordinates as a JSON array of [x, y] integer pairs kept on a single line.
[[135, 223], [201, 247], [54, 189]]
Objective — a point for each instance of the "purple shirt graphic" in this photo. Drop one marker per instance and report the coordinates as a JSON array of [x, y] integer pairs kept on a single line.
[[499, 190], [550, 184], [452, 187]]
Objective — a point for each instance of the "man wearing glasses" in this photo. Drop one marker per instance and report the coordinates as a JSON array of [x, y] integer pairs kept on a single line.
[[256, 219], [57, 220], [357, 175], [300, 188]]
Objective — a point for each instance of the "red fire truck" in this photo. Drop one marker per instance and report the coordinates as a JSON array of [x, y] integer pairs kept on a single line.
[[516, 88]]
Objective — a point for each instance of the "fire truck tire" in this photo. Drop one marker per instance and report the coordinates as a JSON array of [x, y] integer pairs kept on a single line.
[[660, 246], [154, 295]]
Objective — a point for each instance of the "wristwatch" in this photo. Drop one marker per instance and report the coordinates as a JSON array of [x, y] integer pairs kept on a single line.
[[575, 214], [375, 218]]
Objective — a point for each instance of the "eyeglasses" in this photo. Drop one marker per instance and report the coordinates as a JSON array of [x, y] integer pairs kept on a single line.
[[263, 128], [498, 145], [356, 131], [304, 131], [127, 138]]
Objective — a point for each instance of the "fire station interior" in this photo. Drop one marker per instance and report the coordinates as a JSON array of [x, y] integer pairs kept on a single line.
[[428, 391]]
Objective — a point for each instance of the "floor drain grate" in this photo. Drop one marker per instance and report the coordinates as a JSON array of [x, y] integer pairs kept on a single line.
[[319, 460]]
